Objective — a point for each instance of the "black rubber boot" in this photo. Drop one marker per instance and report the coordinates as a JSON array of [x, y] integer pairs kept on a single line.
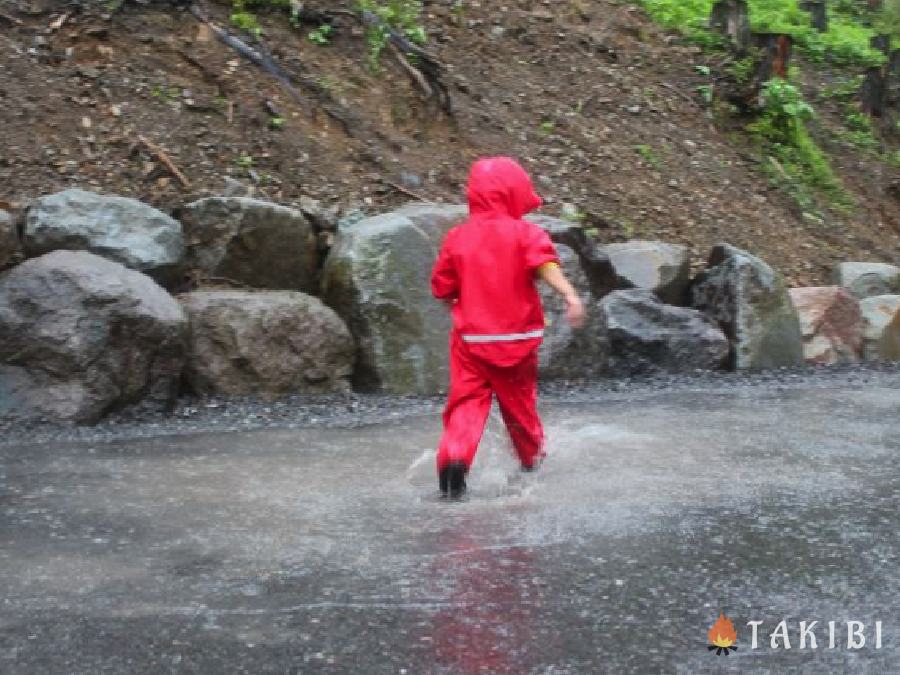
[[452, 480]]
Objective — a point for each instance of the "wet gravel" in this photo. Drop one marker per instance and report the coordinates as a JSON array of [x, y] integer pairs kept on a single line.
[[192, 415]]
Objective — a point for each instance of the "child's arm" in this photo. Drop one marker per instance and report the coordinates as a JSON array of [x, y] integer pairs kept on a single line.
[[444, 280], [553, 276]]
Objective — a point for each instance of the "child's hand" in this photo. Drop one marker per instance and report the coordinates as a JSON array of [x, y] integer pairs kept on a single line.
[[575, 311]]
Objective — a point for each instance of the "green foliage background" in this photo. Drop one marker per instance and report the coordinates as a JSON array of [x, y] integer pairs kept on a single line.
[[846, 41]]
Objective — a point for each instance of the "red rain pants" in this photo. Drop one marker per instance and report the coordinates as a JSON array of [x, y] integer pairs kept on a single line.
[[473, 381]]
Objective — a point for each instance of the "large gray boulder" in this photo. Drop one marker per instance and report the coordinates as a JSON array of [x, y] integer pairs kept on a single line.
[[253, 242], [866, 280], [568, 353], [121, 229], [267, 343], [9, 240], [434, 220], [378, 279], [750, 303], [647, 336], [831, 324], [664, 269], [877, 314], [81, 336]]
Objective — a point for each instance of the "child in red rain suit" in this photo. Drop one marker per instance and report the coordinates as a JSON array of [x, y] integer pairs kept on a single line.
[[486, 271]]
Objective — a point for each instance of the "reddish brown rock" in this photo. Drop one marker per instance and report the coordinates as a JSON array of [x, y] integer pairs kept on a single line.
[[831, 323]]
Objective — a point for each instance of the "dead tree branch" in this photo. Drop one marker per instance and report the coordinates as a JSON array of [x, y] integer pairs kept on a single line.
[[160, 155], [428, 64], [262, 57]]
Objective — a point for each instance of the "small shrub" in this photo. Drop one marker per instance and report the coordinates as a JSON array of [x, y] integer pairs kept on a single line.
[[403, 16], [859, 132], [244, 161], [321, 35], [246, 21], [843, 90], [707, 93], [648, 154], [742, 70], [781, 129]]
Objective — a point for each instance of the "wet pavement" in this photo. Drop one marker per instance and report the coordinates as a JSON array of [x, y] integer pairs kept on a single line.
[[328, 550]]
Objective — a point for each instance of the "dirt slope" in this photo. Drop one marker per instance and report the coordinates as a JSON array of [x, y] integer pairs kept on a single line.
[[596, 101]]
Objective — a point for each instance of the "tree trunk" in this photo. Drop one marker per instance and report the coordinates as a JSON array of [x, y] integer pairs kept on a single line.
[[881, 43], [892, 83], [731, 18], [818, 11], [776, 55], [878, 87], [873, 92]]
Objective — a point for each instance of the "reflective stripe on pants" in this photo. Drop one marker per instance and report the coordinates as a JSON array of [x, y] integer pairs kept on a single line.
[[505, 337]]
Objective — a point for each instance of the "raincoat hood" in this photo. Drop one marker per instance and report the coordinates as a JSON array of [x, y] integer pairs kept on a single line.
[[500, 186]]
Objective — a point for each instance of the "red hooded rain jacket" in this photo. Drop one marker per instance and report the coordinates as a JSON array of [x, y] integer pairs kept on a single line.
[[487, 265]]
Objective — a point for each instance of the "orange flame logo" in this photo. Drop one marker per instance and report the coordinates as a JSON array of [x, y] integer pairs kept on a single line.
[[722, 636]]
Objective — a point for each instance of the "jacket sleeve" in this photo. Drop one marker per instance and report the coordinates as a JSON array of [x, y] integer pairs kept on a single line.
[[538, 248], [444, 277]]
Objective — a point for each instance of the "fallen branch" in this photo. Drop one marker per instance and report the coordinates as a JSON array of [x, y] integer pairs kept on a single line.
[[407, 192], [160, 155], [263, 58], [680, 93], [59, 22], [257, 57], [430, 70], [414, 73]]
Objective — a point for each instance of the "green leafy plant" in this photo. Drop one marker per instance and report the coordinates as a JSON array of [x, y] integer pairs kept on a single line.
[[859, 132], [742, 70], [547, 127], [857, 120], [846, 41], [164, 93], [648, 154], [887, 20], [246, 21], [244, 161], [321, 35], [793, 155], [276, 122], [403, 16], [844, 89], [706, 92]]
